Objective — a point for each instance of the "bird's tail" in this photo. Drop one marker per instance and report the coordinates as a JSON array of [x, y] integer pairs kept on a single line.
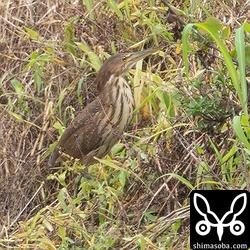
[[54, 158]]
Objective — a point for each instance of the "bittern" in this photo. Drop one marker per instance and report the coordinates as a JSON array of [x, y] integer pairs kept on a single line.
[[95, 130]]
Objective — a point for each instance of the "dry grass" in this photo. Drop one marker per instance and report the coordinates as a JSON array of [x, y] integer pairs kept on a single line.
[[45, 78]]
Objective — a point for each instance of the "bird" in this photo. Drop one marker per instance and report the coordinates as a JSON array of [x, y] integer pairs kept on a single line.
[[100, 125]]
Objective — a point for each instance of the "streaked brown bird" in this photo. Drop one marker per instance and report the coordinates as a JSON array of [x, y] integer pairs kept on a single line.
[[96, 129]]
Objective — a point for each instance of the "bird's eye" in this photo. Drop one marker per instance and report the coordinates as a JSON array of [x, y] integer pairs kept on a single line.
[[124, 58]]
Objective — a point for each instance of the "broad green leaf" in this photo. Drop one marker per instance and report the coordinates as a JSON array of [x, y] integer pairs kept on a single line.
[[33, 35], [240, 132], [94, 60], [214, 24], [122, 178], [226, 32], [247, 27], [17, 85]]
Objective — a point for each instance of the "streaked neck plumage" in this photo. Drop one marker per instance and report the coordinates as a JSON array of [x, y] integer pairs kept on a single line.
[[118, 102]]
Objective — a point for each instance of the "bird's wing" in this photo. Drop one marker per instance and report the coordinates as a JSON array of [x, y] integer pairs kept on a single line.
[[82, 134]]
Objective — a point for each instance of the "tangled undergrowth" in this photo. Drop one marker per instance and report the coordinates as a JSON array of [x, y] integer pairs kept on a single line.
[[190, 128]]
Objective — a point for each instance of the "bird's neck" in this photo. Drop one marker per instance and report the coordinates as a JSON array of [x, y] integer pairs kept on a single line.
[[114, 89], [117, 104]]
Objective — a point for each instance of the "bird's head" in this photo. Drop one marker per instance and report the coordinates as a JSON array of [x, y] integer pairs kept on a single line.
[[119, 64]]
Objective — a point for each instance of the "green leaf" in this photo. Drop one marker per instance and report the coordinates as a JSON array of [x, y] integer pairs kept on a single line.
[[180, 178], [79, 87], [149, 214], [113, 5], [175, 226], [60, 100], [240, 49], [146, 100], [94, 60], [59, 127], [116, 167], [61, 198], [38, 79], [142, 242], [45, 57], [82, 46], [247, 55], [34, 55], [214, 24], [17, 116], [186, 47], [226, 32], [69, 39], [17, 86], [240, 132], [117, 148], [33, 35], [89, 5], [62, 232], [122, 178], [247, 27], [62, 177]]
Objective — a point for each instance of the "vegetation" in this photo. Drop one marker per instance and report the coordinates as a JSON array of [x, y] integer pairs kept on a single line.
[[190, 128]]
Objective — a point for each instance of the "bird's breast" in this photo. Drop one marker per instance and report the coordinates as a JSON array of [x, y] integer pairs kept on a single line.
[[119, 103], [125, 105]]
